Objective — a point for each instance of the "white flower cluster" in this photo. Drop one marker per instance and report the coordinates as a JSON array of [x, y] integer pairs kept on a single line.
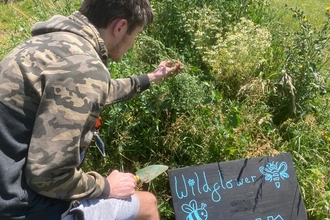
[[203, 25], [232, 51], [241, 49]]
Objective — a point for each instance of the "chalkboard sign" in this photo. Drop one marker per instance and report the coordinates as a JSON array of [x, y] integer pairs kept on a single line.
[[263, 188]]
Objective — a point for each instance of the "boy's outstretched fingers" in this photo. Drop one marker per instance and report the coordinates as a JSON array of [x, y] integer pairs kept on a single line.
[[175, 65], [165, 70]]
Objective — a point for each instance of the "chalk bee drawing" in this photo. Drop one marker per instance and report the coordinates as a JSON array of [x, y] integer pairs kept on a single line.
[[273, 172], [195, 213]]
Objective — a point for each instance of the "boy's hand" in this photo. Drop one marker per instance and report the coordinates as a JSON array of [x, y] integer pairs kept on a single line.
[[165, 69], [122, 185]]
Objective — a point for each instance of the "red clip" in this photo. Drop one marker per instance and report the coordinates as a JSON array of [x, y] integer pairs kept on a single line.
[[98, 122]]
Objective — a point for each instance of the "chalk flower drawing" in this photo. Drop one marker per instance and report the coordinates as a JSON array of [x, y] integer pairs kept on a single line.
[[191, 182], [273, 172], [195, 213]]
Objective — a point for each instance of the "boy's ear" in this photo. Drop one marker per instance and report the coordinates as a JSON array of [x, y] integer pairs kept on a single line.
[[119, 27]]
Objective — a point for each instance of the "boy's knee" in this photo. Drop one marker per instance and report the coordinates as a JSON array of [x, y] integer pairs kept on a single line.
[[151, 198], [147, 198], [148, 206]]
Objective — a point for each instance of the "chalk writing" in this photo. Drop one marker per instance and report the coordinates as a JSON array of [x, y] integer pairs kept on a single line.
[[272, 218], [272, 172], [200, 185], [195, 213]]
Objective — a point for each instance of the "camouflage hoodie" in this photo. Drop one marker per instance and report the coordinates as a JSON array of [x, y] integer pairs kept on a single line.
[[52, 89]]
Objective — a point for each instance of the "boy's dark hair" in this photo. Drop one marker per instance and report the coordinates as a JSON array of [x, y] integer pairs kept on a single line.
[[102, 12]]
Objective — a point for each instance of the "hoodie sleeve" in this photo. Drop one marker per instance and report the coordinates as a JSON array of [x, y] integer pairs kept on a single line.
[[72, 96], [126, 88]]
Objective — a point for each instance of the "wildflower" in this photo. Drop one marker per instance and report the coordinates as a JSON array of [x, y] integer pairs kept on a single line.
[[328, 8], [305, 19]]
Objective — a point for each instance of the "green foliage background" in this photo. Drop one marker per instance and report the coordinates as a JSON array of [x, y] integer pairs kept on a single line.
[[254, 84]]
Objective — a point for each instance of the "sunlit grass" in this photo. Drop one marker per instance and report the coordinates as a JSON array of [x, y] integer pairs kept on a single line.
[[314, 10], [15, 24], [18, 17]]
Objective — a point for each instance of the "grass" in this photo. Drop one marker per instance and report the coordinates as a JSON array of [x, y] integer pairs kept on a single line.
[[18, 17], [314, 10], [15, 25]]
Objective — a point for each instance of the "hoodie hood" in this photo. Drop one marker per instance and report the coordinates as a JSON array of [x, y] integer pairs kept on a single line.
[[77, 24]]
